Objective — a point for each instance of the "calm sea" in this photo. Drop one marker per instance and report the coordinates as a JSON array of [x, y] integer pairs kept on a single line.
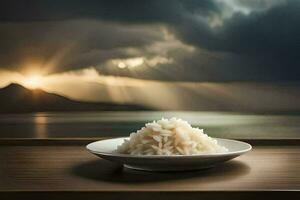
[[97, 124]]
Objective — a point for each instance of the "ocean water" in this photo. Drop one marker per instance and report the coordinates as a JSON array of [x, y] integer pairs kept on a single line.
[[97, 124]]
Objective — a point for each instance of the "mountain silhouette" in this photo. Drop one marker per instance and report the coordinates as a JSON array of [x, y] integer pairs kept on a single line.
[[15, 98]]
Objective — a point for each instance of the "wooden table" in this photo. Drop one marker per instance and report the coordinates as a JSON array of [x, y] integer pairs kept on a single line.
[[62, 169]]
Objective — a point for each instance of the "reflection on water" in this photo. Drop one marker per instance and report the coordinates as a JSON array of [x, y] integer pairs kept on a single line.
[[40, 125], [97, 124]]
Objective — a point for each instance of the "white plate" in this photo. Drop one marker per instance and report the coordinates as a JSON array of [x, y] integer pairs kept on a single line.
[[105, 149]]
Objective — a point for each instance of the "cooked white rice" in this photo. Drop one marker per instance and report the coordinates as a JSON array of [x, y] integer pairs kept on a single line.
[[169, 137]]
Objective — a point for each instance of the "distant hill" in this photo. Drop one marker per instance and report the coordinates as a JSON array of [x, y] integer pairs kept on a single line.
[[15, 98]]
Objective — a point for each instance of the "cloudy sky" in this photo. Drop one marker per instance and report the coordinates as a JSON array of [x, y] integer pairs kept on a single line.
[[131, 42]]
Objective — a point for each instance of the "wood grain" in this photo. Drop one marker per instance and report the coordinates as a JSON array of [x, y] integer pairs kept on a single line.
[[84, 141], [32, 170]]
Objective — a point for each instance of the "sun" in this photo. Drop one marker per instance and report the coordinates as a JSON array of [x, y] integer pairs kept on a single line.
[[33, 81]]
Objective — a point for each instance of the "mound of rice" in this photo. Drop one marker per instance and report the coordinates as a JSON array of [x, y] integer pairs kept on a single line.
[[169, 137]]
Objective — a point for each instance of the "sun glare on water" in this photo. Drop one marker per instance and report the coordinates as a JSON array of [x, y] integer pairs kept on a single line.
[[33, 81]]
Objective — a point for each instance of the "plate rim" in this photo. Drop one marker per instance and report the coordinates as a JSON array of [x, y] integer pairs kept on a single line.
[[112, 154]]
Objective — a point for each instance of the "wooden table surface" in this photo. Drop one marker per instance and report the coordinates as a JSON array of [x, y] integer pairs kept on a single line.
[[38, 171]]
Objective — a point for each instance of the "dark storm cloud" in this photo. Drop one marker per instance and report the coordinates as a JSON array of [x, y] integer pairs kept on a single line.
[[71, 44], [128, 10], [265, 44], [274, 31], [259, 42]]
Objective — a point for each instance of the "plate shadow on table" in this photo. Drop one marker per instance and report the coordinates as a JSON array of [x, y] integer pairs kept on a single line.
[[103, 170]]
